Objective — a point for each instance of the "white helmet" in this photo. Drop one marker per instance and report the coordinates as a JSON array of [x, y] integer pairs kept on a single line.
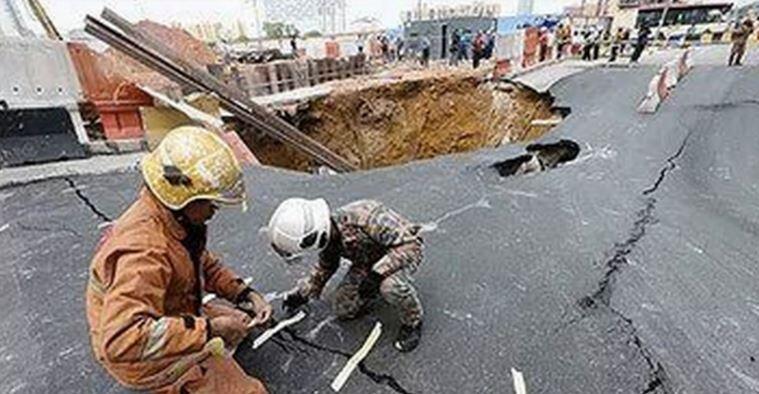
[[298, 226]]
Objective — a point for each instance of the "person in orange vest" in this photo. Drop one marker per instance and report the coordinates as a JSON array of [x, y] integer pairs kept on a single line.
[[151, 270]]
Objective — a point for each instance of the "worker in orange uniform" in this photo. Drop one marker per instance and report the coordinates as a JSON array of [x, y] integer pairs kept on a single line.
[[151, 269]]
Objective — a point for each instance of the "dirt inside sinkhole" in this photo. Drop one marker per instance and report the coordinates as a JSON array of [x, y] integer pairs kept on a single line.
[[400, 122]]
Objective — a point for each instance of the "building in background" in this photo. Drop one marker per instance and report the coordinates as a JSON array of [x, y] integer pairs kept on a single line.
[[438, 23], [324, 16], [425, 12], [525, 7]]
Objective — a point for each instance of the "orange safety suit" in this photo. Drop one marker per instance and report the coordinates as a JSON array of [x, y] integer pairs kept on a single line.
[[144, 306]]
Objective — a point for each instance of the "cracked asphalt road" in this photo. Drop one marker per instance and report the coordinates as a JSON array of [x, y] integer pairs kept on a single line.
[[630, 270]]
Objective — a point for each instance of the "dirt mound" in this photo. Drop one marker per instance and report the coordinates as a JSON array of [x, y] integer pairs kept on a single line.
[[182, 43], [411, 120]]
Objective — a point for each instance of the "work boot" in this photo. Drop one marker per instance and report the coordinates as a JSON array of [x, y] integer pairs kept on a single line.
[[408, 338]]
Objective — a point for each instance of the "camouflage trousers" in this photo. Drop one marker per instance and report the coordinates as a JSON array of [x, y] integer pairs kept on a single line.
[[397, 289]]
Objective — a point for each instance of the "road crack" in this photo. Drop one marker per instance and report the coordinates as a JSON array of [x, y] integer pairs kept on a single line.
[[376, 377], [87, 202], [600, 299]]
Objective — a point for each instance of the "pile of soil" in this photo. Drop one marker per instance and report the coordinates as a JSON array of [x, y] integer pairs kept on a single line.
[[410, 120]]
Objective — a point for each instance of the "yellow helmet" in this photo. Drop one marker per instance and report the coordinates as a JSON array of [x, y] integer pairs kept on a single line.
[[190, 164]]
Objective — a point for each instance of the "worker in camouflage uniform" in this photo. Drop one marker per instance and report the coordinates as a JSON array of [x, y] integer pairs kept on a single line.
[[385, 250]]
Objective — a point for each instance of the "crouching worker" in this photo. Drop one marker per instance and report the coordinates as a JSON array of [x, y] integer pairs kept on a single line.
[[150, 271], [384, 248]]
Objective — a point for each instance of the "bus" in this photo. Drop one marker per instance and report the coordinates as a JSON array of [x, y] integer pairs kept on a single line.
[[685, 21]]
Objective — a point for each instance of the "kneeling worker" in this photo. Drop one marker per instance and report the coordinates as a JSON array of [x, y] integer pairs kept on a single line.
[[384, 248], [151, 268]]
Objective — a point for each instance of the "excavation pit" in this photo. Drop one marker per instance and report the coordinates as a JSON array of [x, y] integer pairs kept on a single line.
[[400, 122]]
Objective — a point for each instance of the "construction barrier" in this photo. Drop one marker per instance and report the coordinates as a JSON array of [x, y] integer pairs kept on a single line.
[[502, 68], [39, 103], [281, 76], [116, 100], [332, 49], [664, 81], [531, 45]]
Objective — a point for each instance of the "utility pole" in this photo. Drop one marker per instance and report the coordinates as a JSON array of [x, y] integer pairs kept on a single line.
[[663, 17]]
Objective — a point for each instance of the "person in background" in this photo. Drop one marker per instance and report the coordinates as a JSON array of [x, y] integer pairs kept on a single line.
[[424, 46], [454, 48], [740, 36], [644, 35], [466, 44], [543, 44], [624, 42], [563, 40], [478, 49], [596, 39], [385, 48], [616, 44], [399, 47], [360, 43], [577, 42], [587, 45], [490, 46], [294, 45]]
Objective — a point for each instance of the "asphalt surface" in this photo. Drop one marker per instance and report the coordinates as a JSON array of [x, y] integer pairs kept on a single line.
[[630, 270]]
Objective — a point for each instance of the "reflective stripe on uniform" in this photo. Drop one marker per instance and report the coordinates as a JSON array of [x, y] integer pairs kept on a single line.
[[96, 285], [156, 340]]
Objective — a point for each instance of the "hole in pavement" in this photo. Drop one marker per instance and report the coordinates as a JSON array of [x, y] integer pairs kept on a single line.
[[539, 157], [397, 122]]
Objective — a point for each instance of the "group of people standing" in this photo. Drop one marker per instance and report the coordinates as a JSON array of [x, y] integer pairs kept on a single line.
[[466, 45]]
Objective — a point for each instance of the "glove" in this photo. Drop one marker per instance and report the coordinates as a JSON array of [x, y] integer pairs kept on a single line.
[[294, 301], [370, 286]]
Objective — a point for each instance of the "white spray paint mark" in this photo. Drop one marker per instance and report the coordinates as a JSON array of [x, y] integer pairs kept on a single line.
[[311, 335], [435, 225], [695, 248], [754, 308], [605, 153], [286, 365], [748, 380], [463, 317], [521, 193], [519, 386], [5, 227], [67, 351], [5, 196]]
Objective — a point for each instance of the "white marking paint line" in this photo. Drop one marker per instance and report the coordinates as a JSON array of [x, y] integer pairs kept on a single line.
[[519, 386], [435, 225], [5, 227], [279, 327], [351, 365], [313, 333]]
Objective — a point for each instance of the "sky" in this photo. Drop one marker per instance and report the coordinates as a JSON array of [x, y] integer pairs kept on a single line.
[[69, 14]]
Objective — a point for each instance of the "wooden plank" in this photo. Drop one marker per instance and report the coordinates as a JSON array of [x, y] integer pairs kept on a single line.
[[359, 356]]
